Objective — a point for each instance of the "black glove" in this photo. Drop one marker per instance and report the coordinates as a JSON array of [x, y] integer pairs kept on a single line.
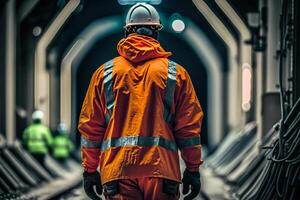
[[89, 181], [191, 179]]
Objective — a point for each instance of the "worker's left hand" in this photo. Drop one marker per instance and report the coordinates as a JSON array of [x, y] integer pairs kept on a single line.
[[91, 180], [191, 181]]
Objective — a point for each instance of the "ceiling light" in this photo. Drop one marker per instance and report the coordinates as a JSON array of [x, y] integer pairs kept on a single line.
[[178, 25]]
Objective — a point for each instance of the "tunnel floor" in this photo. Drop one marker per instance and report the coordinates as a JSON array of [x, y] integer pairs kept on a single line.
[[233, 171], [64, 181]]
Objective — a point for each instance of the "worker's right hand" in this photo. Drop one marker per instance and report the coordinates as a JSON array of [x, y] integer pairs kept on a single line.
[[91, 180], [191, 181]]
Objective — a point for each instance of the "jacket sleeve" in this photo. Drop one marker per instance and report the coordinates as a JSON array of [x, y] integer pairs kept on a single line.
[[92, 124], [70, 145], [188, 119], [25, 136], [48, 136]]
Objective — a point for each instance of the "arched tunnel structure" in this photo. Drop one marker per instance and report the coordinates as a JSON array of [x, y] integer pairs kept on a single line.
[[242, 57]]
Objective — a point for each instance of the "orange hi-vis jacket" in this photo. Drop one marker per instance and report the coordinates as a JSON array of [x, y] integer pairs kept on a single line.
[[139, 110]]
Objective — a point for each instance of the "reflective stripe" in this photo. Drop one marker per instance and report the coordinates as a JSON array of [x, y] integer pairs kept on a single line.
[[170, 87], [90, 143], [183, 143], [108, 89], [142, 141]]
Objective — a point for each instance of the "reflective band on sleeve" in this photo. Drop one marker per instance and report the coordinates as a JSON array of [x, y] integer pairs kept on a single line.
[[142, 141], [183, 143], [108, 89], [170, 87], [90, 143]]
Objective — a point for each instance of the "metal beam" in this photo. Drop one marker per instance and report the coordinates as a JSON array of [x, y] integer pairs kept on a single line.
[[235, 115], [41, 74], [10, 77]]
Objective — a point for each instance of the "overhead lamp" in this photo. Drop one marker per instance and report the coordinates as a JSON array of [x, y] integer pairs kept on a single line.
[[36, 31], [178, 25], [246, 87]]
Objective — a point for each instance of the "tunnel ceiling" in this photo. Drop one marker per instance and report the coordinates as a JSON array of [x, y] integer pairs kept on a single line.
[[40, 15], [243, 7], [216, 9], [93, 10]]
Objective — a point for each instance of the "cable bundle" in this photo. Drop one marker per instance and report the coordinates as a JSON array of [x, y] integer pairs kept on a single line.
[[280, 178]]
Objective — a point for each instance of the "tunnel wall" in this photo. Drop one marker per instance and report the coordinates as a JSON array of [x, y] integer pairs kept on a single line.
[[296, 75], [273, 36], [2, 71]]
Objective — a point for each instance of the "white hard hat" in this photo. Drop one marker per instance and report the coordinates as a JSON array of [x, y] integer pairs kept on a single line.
[[143, 14], [62, 128], [37, 115]]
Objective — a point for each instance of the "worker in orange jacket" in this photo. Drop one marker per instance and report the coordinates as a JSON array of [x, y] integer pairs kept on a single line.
[[139, 110]]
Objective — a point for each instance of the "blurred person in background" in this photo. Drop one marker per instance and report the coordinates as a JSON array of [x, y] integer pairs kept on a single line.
[[139, 110], [37, 138], [62, 145]]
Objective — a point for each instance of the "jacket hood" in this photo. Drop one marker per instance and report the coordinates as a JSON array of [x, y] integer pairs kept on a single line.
[[137, 48]]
